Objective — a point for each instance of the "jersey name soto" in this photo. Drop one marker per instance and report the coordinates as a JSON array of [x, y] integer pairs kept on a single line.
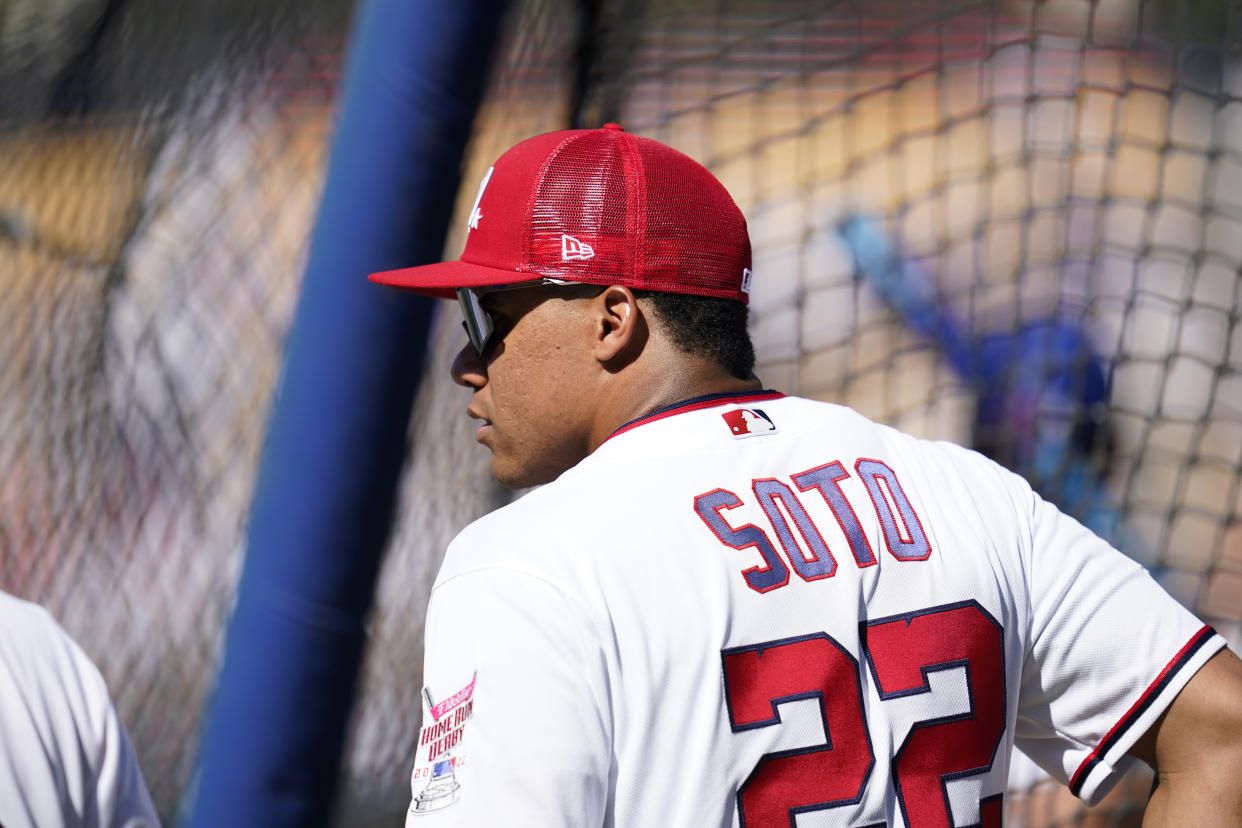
[[783, 504]]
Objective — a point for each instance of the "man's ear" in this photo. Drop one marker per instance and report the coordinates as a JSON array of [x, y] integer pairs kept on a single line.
[[620, 329]]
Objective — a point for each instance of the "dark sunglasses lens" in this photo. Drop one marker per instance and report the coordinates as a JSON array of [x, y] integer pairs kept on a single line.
[[476, 321]]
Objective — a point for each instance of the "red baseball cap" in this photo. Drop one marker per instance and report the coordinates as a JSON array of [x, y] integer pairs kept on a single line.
[[599, 206]]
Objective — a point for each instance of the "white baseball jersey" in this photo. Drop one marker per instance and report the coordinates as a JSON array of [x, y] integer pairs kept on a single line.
[[65, 758], [756, 610]]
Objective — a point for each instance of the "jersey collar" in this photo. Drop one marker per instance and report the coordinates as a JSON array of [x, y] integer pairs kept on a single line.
[[696, 403]]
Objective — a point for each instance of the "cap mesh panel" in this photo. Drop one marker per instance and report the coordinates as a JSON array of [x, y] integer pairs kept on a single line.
[[696, 236], [582, 195], [695, 240]]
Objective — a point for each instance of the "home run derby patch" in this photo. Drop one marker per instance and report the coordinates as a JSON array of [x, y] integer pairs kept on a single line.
[[433, 783], [748, 422]]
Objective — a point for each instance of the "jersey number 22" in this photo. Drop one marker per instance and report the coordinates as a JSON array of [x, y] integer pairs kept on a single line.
[[900, 653]]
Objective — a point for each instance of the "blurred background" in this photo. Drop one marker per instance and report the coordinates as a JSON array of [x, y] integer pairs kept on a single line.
[[1014, 225]]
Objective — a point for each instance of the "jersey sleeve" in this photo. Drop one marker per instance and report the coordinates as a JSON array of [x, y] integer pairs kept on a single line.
[[515, 728], [1108, 652]]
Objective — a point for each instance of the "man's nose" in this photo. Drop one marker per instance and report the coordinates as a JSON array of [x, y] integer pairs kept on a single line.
[[468, 369]]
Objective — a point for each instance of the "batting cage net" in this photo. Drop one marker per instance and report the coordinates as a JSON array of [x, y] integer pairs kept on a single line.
[[1016, 225]]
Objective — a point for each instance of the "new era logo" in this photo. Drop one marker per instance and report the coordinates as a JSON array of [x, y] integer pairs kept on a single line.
[[574, 250], [748, 422], [476, 215]]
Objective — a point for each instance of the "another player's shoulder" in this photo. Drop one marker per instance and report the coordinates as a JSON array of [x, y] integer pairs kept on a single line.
[[34, 646], [17, 611], [28, 627], [64, 698]]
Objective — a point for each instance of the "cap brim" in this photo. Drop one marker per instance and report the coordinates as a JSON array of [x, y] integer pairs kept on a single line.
[[444, 278]]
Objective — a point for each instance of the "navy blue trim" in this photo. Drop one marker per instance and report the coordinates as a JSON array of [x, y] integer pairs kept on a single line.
[[664, 410], [1197, 643]]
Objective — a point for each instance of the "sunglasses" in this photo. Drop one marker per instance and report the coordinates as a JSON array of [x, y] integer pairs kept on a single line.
[[478, 323]]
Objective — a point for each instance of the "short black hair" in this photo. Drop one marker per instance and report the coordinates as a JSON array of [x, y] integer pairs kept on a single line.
[[708, 327]]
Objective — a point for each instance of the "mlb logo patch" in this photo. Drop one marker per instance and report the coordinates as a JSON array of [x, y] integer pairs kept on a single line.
[[748, 422]]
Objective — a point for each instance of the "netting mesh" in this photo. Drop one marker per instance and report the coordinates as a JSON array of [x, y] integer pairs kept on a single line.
[[155, 195], [1036, 174]]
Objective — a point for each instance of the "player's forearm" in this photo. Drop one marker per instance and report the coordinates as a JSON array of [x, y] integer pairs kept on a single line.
[[1207, 797], [1196, 749]]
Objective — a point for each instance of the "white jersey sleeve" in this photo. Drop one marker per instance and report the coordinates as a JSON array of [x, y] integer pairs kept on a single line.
[[65, 758], [1109, 651], [514, 719]]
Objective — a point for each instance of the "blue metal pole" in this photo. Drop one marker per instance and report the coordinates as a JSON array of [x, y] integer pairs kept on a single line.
[[323, 508]]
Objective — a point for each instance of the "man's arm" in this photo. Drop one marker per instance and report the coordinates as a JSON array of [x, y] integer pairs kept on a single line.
[[516, 725], [1195, 748]]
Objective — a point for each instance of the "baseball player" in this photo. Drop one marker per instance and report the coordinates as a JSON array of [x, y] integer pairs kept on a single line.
[[65, 758], [732, 607]]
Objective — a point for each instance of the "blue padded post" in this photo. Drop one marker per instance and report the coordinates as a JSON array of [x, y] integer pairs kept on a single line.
[[323, 508]]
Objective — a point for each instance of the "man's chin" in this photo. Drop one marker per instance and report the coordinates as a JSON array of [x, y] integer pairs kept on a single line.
[[512, 477]]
